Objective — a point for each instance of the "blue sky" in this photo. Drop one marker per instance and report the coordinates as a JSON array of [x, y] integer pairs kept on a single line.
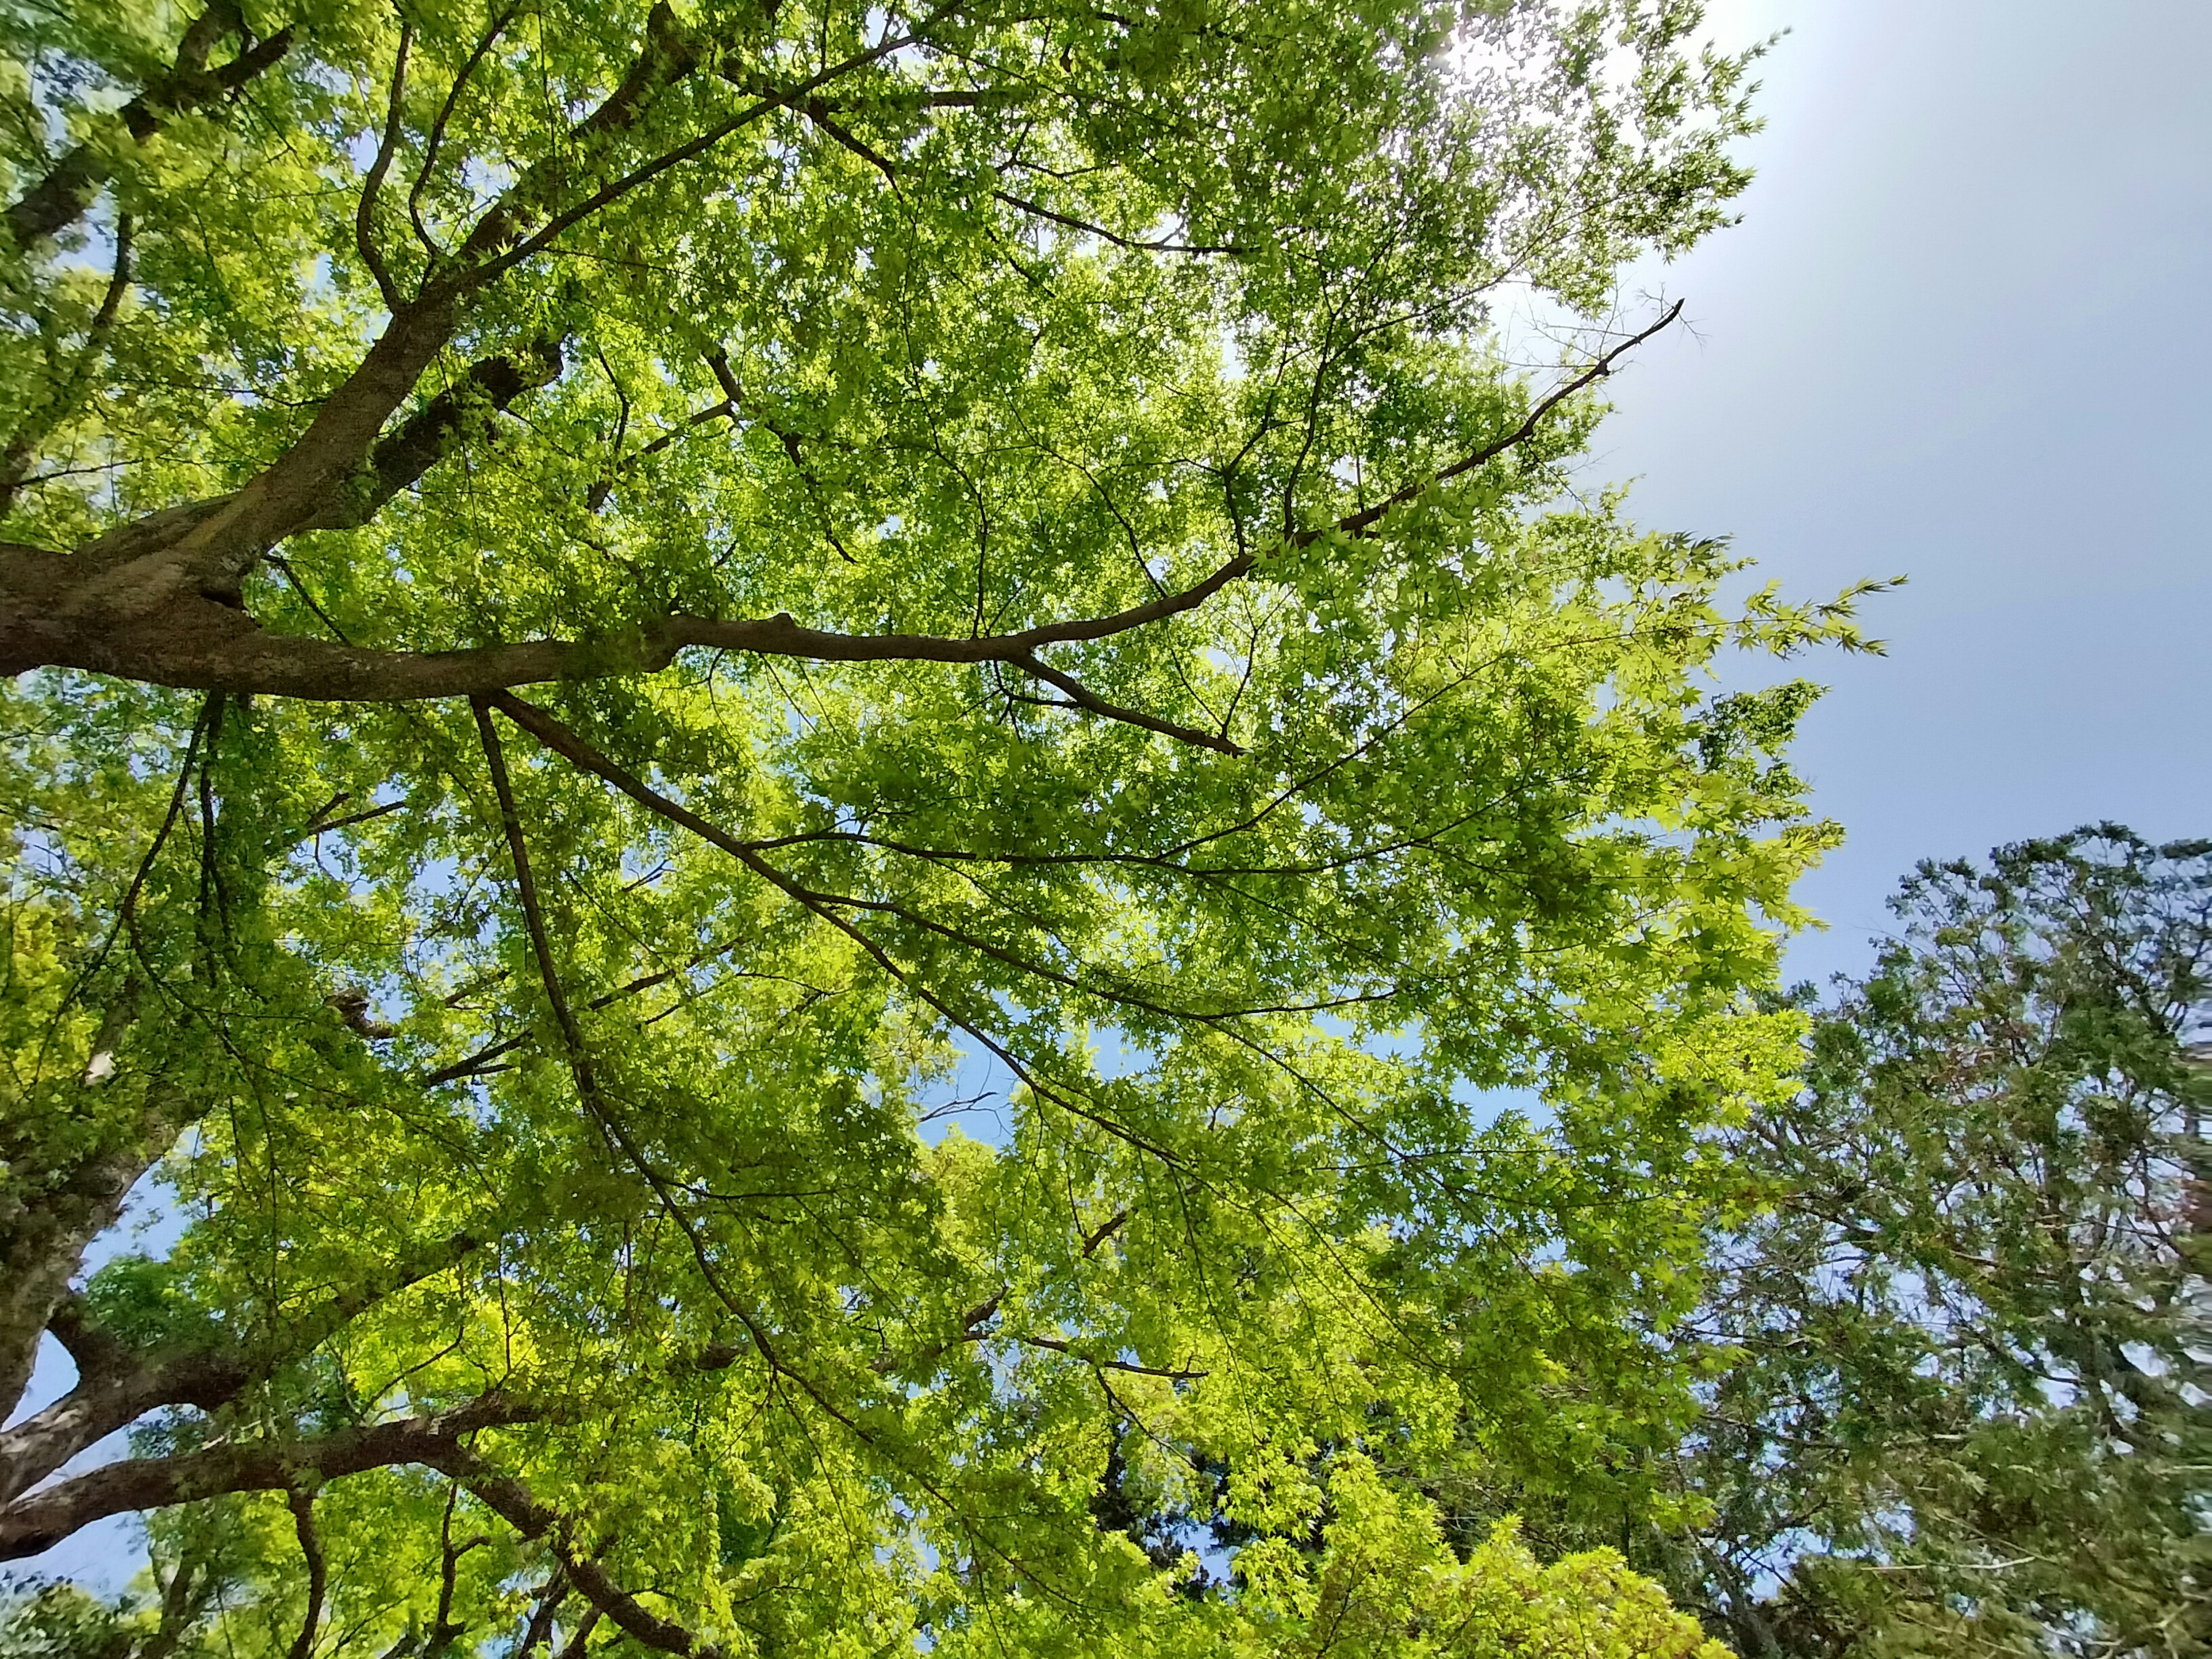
[[1962, 333]]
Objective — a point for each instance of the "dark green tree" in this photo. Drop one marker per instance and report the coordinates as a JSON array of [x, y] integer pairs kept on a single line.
[[1970, 1416]]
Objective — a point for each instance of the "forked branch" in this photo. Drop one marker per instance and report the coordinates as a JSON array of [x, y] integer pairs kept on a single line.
[[55, 202], [227, 650]]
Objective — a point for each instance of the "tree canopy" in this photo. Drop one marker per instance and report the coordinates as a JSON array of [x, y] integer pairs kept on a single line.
[[1032, 572], [1966, 1415]]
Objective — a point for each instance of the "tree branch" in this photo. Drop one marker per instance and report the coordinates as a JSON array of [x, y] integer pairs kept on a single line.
[[91, 1349], [541, 946], [56, 201], [39, 423], [1083, 227], [538, 1631], [581, 1065], [470, 1064], [573, 1647], [116, 1385], [364, 219], [1359, 523], [437, 137], [512, 1502], [302, 1504], [400, 457], [1056, 1346], [1086, 699], [214, 647], [42, 1520], [444, 1632], [670, 54], [36, 1524], [563, 741], [41, 1246], [214, 552], [1104, 1231]]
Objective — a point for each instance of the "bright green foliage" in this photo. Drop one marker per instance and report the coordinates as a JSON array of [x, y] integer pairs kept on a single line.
[[1382, 1581], [1969, 1418], [1039, 581]]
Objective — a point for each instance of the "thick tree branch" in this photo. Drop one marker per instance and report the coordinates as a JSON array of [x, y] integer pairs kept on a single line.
[[1104, 1231], [41, 1246], [444, 1630], [213, 554], [311, 1547], [219, 540], [401, 457], [91, 1349], [216, 543], [512, 1502], [116, 1385], [42, 1520], [214, 647], [183, 1599], [57, 200], [434, 1441]]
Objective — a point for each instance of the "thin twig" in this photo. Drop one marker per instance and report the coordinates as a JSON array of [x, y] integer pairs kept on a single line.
[[364, 218]]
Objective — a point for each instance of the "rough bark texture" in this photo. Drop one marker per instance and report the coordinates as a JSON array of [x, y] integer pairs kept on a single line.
[[43, 1520], [49, 1217], [116, 1385]]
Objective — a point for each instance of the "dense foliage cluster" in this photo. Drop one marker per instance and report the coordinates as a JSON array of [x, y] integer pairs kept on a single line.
[[1970, 1415]]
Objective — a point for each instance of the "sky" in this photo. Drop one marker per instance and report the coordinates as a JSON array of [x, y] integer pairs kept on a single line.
[[1961, 335]]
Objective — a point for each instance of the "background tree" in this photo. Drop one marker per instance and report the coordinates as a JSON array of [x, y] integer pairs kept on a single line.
[[1970, 1417], [1035, 555]]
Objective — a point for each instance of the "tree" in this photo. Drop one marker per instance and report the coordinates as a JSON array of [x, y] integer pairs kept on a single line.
[[1041, 579], [1968, 1418]]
